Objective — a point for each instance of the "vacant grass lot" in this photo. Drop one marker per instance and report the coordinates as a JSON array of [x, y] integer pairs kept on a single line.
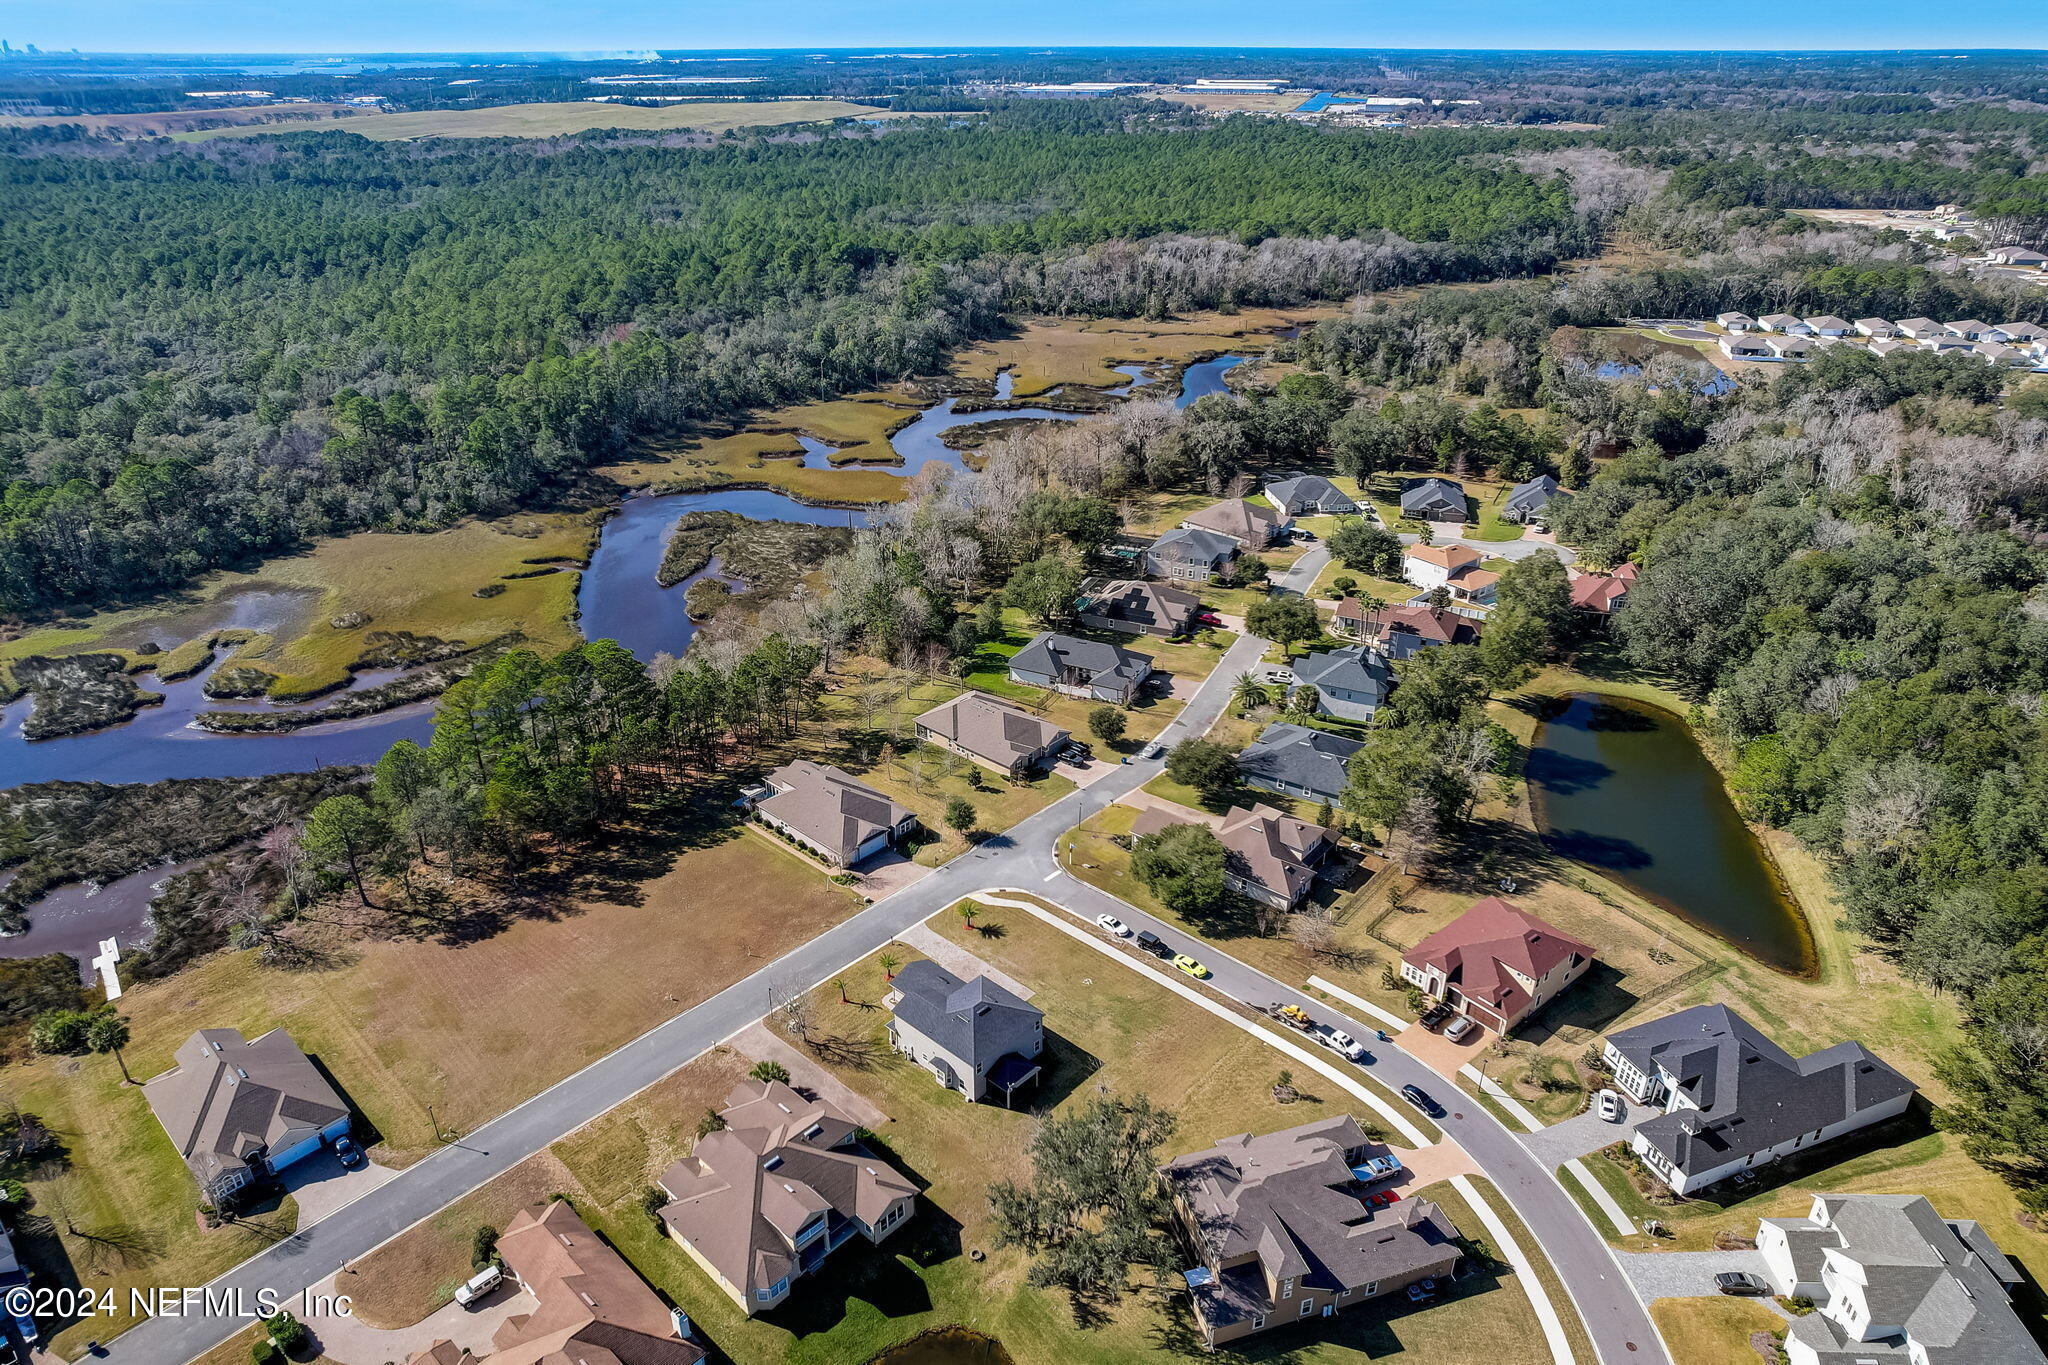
[[574, 116], [1108, 1030], [1713, 1331]]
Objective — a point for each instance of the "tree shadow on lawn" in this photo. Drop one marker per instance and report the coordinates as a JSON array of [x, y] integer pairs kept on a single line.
[[1916, 1123], [1509, 850]]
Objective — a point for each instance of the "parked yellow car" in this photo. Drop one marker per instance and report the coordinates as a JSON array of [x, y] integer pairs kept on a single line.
[[1191, 967]]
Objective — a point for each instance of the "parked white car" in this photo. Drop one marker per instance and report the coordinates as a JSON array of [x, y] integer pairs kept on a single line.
[[1110, 924], [479, 1284], [1458, 1028], [1343, 1044], [1610, 1106]]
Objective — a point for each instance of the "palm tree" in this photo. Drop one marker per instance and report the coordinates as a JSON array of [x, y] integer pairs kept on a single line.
[[969, 911], [839, 984], [108, 1032], [1249, 694], [890, 962]]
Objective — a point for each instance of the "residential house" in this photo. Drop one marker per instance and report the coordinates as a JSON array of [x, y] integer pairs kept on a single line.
[[1946, 342], [1400, 632], [1894, 1283], [1735, 322], [1601, 594], [1496, 964], [2025, 258], [1739, 347], [1310, 495], [761, 1202], [997, 735], [1828, 325], [976, 1037], [1969, 329], [830, 812], [1784, 323], [1281, 1228], [239, 1110], [588, 1304], [1137, 608], [1998, 353], [1875, 327], [1454, 568], [1921, 329], [1434, 499], [1351, 683], [1298, 761], [2019, 333], [1886, 346], [1791, 347], [1272, 857], [1735, 1101], [1251, 525], [1081, 668], [1190, 554], [1527, 501]]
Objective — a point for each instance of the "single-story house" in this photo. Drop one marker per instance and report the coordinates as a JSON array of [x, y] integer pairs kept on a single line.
[[830, 812], [1454, 568], [975, 1037], [1190, 554], [1920, 329], [1735, 322], [1791, 347], [2019, 333], [1886, 346], [1735, 1101], [764, 1200], [1298, 761], [1434, 499], [994, 733], [1875, 327], [1252, 525], [1892, 1282], [1998, 353], [1283, 1234], [1969, 329], [1601, 594], [239, 1110], [2023, 256], [1784, 323], [1946, 342], [1828, 325], [1080, 668], [1496, 964], [1136, 607], [1738, 347], [1527, 501], [1351, 683], [1312, 494], [1402, 631]]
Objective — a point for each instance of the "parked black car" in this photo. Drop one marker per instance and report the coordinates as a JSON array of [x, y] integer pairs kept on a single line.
[[1740, 1282], [1435, 1015], [1153, 944], [1419, 1097]]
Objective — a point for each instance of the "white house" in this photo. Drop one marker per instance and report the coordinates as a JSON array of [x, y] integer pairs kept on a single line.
[[1828, 325], [1738, 347], [1969, 329], [2024, 257], [1921, 329], [1735, 322], [1791, 347], [2019, 333], [1734, 1101], [1785, 323], [1875, 327]]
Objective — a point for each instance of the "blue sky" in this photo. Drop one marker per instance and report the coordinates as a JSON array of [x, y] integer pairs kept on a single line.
[[512, 25]]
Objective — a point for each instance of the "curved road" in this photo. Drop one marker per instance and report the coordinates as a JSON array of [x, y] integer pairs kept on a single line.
[[1024, 857]]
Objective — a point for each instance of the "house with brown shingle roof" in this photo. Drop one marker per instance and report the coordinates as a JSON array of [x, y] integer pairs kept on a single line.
[[1136, 607], [589, 1307], [1496, 964], [1284, 1234], [1250, 524], [829, 812], [993, 733], [760, 1203], [240, 1110], [1405, 630], [1272, 857]]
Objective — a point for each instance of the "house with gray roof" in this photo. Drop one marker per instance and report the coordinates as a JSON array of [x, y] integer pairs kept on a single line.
[[761, 1202], [1190, 553], [1280, 1225], [1310, 495], [977, 1037], [830, 812], [1351, 683], [1080, 668], [1135, 607], [1894, 1283], [1735, 1101], [1252, 525], [1434, 500], [998, 735], [1527, 501], [1298, 761], [239, 1110]]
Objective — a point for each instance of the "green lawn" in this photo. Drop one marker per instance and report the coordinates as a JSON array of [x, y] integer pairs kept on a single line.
[[1713, 1331]]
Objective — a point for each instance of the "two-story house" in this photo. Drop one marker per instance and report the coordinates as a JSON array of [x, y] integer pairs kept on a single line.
[[1734, 1100], [1283, 1233], [1351, 683], [761, 1202], [1137, 608], [1081, 668], [1253, 526], [977, 1037], [1190, 555], [1454, 568], [1496, 964]]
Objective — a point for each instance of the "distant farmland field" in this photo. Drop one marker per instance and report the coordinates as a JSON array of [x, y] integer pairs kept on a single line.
[[554, 120]]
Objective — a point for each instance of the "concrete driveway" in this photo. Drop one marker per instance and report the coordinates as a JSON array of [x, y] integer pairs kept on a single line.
[[1685, 1274], [321, 1184], [350, 1341], [1583, 1133]]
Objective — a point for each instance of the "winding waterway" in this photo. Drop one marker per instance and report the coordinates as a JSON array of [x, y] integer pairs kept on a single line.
[[1622, 786]]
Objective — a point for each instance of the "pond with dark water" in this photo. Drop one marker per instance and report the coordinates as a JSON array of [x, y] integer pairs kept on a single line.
[[1623, 786]]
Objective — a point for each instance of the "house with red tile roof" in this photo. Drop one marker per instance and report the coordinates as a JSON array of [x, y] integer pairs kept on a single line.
[[1601, 594], [1495, 964]]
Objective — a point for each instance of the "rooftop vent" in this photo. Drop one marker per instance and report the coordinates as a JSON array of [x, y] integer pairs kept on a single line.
[[772, 1163]]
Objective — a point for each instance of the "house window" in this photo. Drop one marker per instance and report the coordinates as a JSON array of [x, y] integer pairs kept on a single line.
[[1344, 1294], [1307, 1306], [1287, 1289], [1373, 1288]]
